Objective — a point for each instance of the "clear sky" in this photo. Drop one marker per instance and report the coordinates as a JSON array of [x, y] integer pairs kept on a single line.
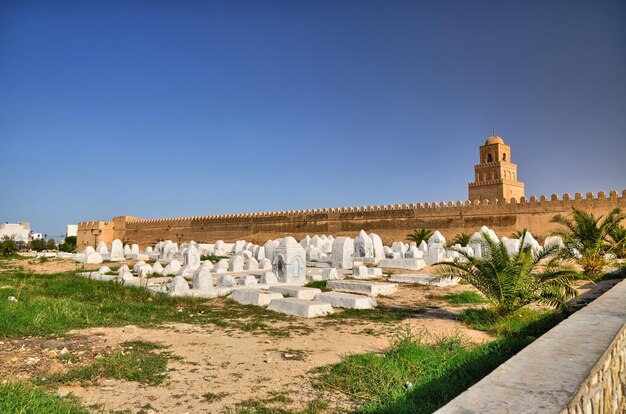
[[182, 108]]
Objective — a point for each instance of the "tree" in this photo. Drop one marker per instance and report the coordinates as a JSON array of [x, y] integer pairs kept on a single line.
[[618, 235], [587, 238], [511, 281], [38, 245], [463, 239], [51, 245], [419, 235], [8, 247], [68, 245]]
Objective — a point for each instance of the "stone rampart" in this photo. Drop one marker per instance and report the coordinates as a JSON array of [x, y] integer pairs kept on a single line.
[[578, 367], [391, 222]]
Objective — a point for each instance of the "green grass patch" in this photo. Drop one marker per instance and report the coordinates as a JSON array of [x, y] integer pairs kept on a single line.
[[133, 361], [413, 377], [464, 298], [51, 305], [20, 398], [319, 284], [381, 314], [213, 258], [517, 323]]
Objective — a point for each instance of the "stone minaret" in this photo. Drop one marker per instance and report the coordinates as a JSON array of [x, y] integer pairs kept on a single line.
[[496, 175]]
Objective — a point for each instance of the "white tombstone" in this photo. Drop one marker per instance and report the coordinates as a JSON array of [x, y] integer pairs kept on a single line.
[[102, 248], [343, 251], [148, 250], [476, 244], [313, 254], [423, 248], [191, 257], [529, 240], [269, 247], [123, 273], [239, 246], [251, 264], [388, 252], [137, 265], [221, 266], [248, 281], [117, 251], [265, 264], [413, 253], [172, 268], [89, 250], [269, 278], [178, 287], [511, 245], [144, 271], [226, 281], [104, 270], [399, 247], [553, 241], [134, 248], [436, 238], [305, 242], [363, 245], [202, 278], [235, 264], [359, 271], [289, 261], [377, 246], [330, 273], [208, 264], [127, 250], [186, 271], [93, 258], [157, 268], [168, 250], [259, 252], [219, 248]]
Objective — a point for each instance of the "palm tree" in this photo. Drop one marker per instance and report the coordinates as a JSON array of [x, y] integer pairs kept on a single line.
[[517, 234], [463, 239], [587, 238], [511, 281], [419, 235], [619, 238]]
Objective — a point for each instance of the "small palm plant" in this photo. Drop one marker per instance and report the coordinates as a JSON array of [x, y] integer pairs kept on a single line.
[[512, 281], [589, 237], [517, 234], [618, 235], [463, 239], [419, 235]]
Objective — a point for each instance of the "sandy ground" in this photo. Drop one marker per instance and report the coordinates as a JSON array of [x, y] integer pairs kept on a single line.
[[238, 365]]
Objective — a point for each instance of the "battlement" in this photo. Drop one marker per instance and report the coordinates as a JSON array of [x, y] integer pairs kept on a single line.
[[467, 204], [390, 221]]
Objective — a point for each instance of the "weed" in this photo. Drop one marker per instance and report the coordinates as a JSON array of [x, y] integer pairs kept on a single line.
[[213, 396], [23, 398], [134, 361], [464, 298]]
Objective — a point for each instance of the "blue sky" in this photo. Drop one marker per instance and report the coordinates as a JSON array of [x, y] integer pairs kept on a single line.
[[167, 109]]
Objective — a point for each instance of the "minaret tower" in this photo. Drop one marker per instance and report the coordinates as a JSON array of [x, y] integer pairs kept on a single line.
[[496, 175]]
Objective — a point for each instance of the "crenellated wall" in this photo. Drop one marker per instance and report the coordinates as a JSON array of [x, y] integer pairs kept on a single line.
[[391, 222]]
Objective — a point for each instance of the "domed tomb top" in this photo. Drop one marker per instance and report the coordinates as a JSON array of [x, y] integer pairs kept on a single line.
[[494, 139]]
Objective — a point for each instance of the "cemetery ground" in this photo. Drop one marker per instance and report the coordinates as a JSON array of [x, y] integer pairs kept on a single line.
[[74, 345]]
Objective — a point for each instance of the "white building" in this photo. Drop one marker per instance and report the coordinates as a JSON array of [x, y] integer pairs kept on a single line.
[[36, 236], [18, 232], [71, 230]]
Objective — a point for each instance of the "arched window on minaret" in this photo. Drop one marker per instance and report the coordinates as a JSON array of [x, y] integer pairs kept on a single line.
[[489, 159], [504, 157]]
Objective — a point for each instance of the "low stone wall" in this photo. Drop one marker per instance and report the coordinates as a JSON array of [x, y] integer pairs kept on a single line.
[[578, 367]]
